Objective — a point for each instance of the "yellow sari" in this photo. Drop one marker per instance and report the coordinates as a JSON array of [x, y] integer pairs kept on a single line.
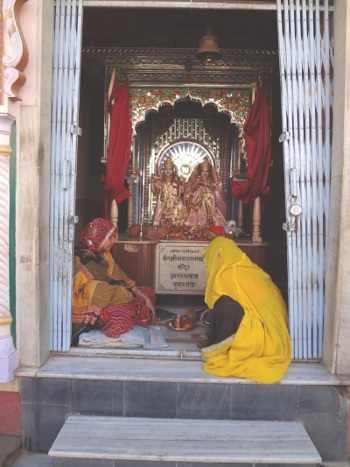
[[261, 348], [91, 295]]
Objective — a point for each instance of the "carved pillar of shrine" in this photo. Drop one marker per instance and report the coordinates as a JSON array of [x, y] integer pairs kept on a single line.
[[131, 182], [256, 234], [114, 213], [13, 60]]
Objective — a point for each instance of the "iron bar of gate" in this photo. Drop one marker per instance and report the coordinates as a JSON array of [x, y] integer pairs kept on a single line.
[[302, 231], [64, 12], [304, 182], [307, 132], [76, 97], [66, 102], [53, 184], [66, 76], [64, 148], [308, 112], [69, 163], [327, 144], [314, 225], [56, 247], [319, 259], [73, 112], [296, 168], [286, 165], [293, 280]]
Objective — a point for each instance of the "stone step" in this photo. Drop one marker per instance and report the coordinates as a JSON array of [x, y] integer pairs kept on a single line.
[[182, 440]]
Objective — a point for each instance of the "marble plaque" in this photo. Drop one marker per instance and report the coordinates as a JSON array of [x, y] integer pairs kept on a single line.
[[180, 268]]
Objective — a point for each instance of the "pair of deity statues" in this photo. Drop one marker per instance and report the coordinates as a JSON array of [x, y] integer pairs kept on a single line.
[[198, 202]]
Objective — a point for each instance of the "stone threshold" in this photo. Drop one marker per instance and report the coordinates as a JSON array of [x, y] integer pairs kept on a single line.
[[111, 367]]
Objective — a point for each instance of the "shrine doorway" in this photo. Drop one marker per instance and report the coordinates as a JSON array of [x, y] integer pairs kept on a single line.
[[92, 117]]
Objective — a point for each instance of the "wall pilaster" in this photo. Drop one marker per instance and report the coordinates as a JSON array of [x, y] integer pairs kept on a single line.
[[9, 358]]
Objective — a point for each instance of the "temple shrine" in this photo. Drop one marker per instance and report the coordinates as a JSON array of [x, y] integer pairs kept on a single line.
[[178, 130]]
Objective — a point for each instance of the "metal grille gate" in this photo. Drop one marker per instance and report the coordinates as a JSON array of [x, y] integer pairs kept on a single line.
[[65, 107], [306, 54], [305, 50]]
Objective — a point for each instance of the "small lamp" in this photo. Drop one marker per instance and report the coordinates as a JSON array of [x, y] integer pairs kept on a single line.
[[208, 50]]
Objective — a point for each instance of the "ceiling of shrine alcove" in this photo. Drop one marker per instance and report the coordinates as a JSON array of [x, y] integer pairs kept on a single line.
[[178, 28], [167, 40]]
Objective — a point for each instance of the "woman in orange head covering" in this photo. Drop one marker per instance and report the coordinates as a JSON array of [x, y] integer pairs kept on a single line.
[[103, 294], [255, 344]]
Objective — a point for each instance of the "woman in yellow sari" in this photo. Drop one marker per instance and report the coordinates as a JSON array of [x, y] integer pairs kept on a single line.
[[256, 343]]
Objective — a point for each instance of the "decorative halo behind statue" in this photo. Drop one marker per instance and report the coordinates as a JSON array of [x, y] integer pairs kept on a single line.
[[185, 154]]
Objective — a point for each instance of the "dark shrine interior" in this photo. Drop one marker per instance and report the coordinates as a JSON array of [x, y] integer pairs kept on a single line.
[[173, 29]]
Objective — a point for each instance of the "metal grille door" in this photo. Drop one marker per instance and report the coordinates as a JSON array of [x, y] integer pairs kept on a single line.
[[65, 103], [306, 54]]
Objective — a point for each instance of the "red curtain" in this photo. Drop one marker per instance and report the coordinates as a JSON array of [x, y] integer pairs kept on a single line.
[[119, 146], [258, 145], [240, 190]]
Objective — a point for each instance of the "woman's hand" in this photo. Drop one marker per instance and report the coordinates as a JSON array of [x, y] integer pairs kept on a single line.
[[149, 305]]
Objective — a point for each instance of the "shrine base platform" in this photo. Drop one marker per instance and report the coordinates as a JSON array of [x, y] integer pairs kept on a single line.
[[143, 260]]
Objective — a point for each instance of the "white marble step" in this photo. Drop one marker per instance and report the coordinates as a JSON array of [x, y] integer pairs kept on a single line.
[[151, 439], [138, 369]]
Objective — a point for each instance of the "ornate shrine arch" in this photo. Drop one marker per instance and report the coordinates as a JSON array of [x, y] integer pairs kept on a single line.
[[190, 133], [234, 103]]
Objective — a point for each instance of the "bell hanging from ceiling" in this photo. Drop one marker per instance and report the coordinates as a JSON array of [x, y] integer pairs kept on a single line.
[[208, 51]]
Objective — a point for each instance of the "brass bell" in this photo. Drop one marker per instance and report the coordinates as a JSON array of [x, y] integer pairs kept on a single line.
[[208, 50]]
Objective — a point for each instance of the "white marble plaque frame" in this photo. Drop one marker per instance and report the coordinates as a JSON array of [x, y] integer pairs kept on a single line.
[[180, 268]]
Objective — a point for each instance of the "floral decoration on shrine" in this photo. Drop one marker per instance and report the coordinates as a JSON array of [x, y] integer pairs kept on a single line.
[[236, 103]]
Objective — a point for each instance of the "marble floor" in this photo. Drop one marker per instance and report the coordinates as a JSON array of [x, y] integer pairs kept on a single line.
[[188, 339]]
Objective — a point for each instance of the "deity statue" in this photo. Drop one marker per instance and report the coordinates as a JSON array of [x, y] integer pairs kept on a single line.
[[168, 188], [204, 197]]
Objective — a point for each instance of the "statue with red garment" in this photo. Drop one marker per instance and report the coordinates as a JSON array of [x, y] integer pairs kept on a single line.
[[168, 187], [204, 197]]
